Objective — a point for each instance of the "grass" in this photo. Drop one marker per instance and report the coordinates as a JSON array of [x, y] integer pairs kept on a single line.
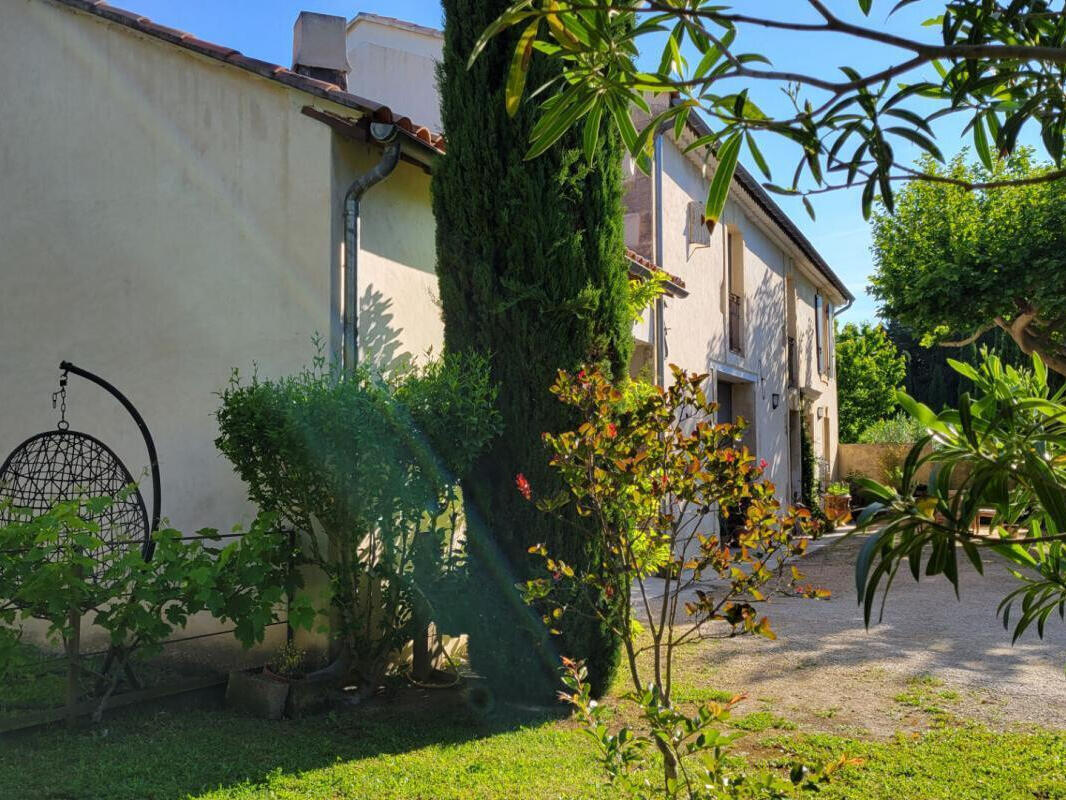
[[419, 756], [923, 693], [39, 681], [950, 763], [759, 721], [431, 746], [353, 754]]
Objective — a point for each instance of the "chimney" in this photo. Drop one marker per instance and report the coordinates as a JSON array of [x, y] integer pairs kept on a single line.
[[320, 49]]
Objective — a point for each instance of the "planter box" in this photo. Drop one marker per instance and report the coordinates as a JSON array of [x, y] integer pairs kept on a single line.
[[266, 696], [255, 694]]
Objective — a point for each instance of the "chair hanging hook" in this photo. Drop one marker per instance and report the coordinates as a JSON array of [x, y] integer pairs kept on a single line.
[[60, 397]]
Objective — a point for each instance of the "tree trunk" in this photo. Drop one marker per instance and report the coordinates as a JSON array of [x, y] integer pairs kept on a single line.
[[421, 663], [73, 647]]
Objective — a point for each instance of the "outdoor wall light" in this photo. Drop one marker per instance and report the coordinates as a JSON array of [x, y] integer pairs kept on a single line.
[[775, 400]]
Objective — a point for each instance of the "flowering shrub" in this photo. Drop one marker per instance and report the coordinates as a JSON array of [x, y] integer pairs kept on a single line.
[[697, 739], [653, 470]]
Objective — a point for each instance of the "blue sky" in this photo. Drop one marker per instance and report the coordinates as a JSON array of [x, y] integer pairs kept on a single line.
[[263, 28]]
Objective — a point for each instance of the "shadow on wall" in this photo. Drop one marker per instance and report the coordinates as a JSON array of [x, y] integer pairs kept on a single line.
[[379, 341], [764, 349]]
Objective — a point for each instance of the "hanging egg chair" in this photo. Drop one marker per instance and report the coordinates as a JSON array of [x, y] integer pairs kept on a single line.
[[63, 465]]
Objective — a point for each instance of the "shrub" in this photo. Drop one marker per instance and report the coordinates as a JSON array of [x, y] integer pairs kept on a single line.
[[898, 429], [366, 470], [54, 567], [1004, 452], [649, 472]]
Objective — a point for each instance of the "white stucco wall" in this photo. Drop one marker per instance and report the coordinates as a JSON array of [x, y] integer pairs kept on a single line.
[[166, 218], [395, 65], [697, 325], [399, 314]]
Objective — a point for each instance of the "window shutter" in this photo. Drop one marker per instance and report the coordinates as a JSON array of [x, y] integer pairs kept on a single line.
[[818, 343], [830, 338]]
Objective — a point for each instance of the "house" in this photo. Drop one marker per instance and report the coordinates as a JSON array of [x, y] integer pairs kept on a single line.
[[751, 303], [174, 210], [758, 313]]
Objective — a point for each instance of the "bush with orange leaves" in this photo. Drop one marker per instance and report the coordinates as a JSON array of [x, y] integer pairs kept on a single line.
[[656, 473]]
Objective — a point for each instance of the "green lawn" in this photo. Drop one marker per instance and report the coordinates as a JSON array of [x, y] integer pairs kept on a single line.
[[350, 754], [448, 753], [948, 763]]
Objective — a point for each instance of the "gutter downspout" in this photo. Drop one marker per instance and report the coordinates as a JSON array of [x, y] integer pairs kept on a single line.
[[387, 135], [660, 304]]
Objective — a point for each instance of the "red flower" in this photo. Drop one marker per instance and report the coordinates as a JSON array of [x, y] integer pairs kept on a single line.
[[612, 430], [762, 463], [730, 456], [581, 375], [523, 486]]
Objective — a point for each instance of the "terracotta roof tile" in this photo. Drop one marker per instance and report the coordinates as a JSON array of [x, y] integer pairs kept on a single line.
[[675, 285], [329, 91]]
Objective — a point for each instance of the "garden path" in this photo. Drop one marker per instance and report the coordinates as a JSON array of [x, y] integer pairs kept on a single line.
[[930, 657]]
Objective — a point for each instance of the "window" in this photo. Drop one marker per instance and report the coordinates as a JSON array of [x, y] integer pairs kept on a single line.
[[830, 340], [734, 270], [819, 341]]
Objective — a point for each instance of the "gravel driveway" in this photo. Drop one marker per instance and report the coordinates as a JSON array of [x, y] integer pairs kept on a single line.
[[931, 656]]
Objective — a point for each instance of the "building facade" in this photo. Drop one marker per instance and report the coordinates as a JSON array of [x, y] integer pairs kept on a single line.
[[753, 302], [173, 211]]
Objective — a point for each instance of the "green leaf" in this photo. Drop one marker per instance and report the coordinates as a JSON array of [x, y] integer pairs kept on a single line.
[[757, 155], [575, 103], [919, 411], [723, 177], [919, 139], [865, 560], [980, 143], [516, 78], [516, 13], [591, 135]]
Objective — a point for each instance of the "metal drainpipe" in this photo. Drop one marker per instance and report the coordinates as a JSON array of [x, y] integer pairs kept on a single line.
[[386, 134], [660, 304]]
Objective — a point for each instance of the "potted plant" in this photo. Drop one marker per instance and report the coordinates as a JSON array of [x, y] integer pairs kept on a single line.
[[837, 501], [272, 692]]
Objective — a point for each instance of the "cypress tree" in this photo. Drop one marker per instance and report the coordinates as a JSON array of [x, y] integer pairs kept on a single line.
[[532, 274]]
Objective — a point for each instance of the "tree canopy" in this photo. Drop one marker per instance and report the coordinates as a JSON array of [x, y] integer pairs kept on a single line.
[[870, 369], [994, 66], [953, 264]]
